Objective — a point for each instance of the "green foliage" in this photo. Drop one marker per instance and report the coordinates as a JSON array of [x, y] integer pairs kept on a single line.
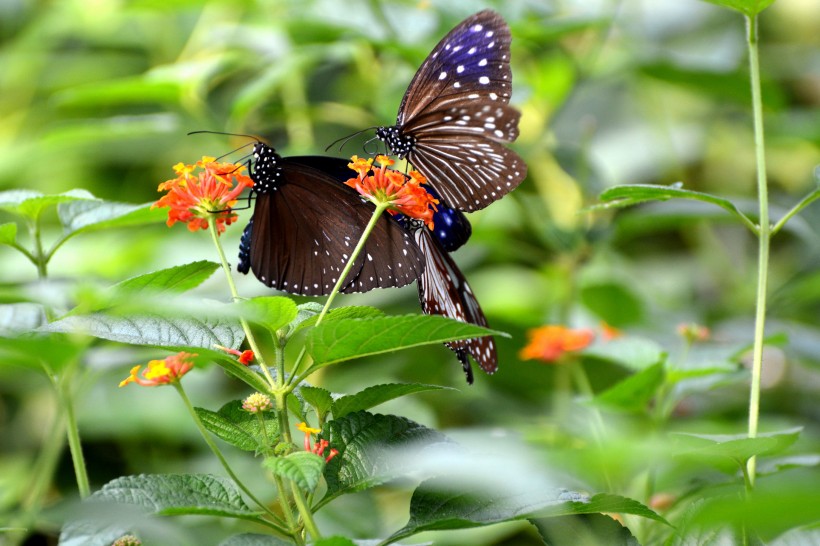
[[8, 233], [240, 428], [746, 7], [302, 468], [174, 280], [272, 312], [377, 394]]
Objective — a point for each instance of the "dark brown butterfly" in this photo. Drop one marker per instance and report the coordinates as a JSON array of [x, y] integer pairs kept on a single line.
[[306, 223], [454, 118]]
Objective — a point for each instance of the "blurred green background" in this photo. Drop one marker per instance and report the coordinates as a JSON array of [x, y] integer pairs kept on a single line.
[[99, 94]]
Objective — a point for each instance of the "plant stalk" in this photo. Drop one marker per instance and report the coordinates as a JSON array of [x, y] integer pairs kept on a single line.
[[764, 236], [64, 385]]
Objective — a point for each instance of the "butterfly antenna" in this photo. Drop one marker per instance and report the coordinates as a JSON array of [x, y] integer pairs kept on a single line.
[[367, 143], [347, 138], [255, 138]]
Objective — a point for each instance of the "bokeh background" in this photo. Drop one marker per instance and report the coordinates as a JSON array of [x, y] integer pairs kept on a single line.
[[99, 95]]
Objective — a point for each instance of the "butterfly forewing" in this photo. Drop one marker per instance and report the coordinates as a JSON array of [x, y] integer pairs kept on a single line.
[[443, 290], [471, 62]]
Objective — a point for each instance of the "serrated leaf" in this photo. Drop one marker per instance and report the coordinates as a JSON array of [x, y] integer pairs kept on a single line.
[[174, 280], [586, 529], [352, 312], [746, 7], [253, 539], [739, 448], [154, 330], [31, 203], [301, 467], [628, 195], [319, 398], [8, 233], [378, 394], [345, 339], [97, 214], [240, 428], [441, 504], [175, 494], [16, 318], [365, 442], [272, 312], [636, 391]]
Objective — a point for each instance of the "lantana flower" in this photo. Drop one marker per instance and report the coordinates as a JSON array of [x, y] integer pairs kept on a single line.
[[161, 372], [693, 332], [320, 446], [382, 185], [197, 198], [257, 403], [549, 343], [244, 357]]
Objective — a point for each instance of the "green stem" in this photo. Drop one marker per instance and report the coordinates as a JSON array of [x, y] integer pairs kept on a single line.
[[284, 502], [235, 295], [215, 449], [64, 386], [305, 512], [806, 201], [377, 213], [41, 261], [764, 236], [585, 388]]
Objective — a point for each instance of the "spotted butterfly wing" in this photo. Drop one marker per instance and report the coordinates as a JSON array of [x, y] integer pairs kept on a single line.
[[443, 290], [454, 118], [306, 223]]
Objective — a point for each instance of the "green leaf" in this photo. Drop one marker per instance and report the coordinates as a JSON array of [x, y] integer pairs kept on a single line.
[[39, 351], [319, 398], [628, 195], [615, 303], [176, 494], [253, 539], [717, 448], [240, 428], [378, 394], [154, 330], [174, 280], [441, 504], [365, 443], [636, 391], [345, 339], [336, 541], [301, 467], [272, 312], [587, 529], [746, 7], [16, 318], [352, 312], [92, 215], [633, 353], [8, 233], [778, 464], [31, 203]]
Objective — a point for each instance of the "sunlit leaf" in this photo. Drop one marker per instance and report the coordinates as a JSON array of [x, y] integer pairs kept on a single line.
[[8, 233], [30, 204], [353, 312], [319, 398], [587, 529], [84, 216], [378, 394], [739, 448], [16, 318], [301, 467], [173, 280], [346, 339], [631, 352], [746, 7], [636, 391], [272, 312]]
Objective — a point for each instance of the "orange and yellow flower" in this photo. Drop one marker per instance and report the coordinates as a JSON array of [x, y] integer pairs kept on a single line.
[[161, 372], [199, 197], [550, 343], [244, 357], [382, 185], [320, 446]]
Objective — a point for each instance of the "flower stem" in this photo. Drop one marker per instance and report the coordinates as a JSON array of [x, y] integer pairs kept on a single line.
[[764, 234], [599, 429], [806, 201], [235, 295], [64, 386], [305, 512], [215, 449], [377, 213]]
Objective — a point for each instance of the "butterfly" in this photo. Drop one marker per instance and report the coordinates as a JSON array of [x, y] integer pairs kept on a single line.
[[443, 289], [455, 118], [306, 223]]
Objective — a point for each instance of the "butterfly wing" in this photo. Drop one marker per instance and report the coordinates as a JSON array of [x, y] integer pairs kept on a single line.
[[471, 62], [306, 227], [443, 290]]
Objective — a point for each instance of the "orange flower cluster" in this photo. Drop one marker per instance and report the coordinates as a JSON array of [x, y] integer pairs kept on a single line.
[[550, 343], [382, 185], [197, 198], [321, 445], [244, 357], [161, 372]]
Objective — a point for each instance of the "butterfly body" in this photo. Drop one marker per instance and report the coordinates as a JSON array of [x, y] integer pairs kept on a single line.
[[306, 223], [454, 118]]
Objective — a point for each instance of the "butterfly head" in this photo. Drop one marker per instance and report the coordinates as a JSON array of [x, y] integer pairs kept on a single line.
[[400, 144], [265, 169]]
